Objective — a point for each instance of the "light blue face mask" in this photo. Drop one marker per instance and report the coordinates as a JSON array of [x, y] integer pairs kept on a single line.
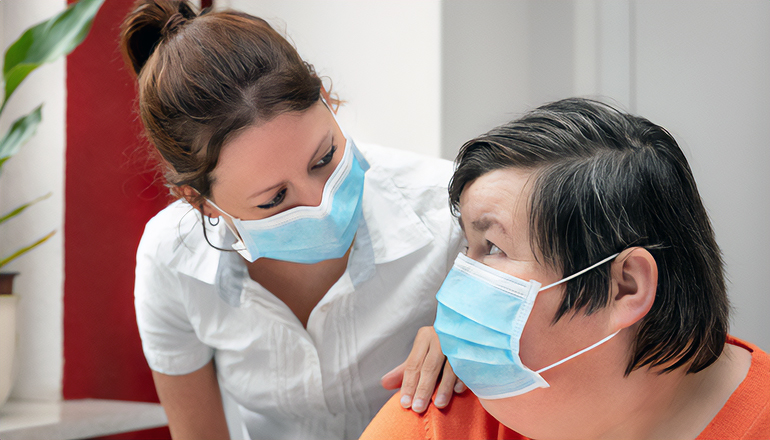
[[310, 234], [481, 315]]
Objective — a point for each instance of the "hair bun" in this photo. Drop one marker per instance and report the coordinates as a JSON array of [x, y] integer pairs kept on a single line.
[[173, 25], [148, 25]]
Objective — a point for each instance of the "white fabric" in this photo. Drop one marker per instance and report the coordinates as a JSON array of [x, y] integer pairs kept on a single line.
[[194, 302]]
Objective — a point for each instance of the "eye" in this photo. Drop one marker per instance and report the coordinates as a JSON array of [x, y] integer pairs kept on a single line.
[[276, 200], [326, 159], [492, 249]]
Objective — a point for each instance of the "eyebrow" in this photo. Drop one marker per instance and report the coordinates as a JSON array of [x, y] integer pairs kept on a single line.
[[278, 185], [483, 224]]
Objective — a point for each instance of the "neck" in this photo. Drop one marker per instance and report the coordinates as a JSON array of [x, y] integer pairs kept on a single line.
[[299, 286], [678, 405]]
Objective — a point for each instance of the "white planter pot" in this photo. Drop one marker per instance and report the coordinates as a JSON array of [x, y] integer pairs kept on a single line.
[[7, 344]]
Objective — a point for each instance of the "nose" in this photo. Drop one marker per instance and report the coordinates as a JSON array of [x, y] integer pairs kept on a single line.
[[308, 192]]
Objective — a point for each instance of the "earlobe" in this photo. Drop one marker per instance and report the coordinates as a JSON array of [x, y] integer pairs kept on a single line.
[[193, 197], [634, 285]]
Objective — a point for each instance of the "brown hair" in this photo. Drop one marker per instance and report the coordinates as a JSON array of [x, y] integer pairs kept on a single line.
[[202, 77]]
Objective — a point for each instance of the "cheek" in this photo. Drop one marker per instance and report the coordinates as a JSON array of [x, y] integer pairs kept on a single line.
[[540, 337]]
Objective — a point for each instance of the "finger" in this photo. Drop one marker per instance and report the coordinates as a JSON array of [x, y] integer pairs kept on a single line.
[[393, 378], [460, 387], [413, 367], [431, 369], [445, 387]]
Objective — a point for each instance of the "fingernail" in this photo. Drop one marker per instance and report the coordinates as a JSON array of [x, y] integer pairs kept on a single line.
[[440, 401], [406, 401], [459, 388], [418, 405]]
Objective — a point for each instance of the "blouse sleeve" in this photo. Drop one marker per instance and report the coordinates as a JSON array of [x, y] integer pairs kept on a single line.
[[169, 341]]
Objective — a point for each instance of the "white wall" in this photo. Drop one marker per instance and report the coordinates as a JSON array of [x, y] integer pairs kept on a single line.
[[382, 56], [485, 54], [36, 170], [703, 72]]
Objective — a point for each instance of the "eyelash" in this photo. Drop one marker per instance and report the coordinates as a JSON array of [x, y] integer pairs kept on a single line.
[[282, 193], [326, 159], [276, 200]]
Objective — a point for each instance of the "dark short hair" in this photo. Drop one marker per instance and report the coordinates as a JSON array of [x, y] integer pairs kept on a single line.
[[605, 181]]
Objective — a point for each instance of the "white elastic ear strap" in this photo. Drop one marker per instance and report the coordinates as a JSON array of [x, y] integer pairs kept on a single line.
[[578, 353], [594, 345], [575, 275], [219, 209], [334, 115]]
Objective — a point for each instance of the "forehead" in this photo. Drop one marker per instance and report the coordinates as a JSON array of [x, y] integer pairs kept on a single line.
[[500, 191], [288, 137]]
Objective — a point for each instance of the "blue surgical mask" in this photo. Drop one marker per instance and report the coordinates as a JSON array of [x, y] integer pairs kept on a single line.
[[310, 234], [481, 315]]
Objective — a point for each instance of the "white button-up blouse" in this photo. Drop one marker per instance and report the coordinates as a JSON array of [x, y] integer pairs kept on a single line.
[[279, 379]]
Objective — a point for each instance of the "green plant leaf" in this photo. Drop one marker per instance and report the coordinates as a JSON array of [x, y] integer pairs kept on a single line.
[[47, 41], [21, 130], [25, 249], [21, 208]]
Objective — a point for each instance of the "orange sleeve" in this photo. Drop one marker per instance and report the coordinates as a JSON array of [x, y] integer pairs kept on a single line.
[[394, 422], [463, 418]]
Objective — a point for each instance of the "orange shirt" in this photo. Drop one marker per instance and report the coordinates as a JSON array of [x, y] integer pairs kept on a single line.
[[463, 418], [746, 415]]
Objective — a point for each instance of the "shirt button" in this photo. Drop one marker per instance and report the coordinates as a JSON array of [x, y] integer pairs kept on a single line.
[[325, 308]]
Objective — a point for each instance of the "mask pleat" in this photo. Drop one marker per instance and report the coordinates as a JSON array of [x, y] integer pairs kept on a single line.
[[500, 312], [449, 322]]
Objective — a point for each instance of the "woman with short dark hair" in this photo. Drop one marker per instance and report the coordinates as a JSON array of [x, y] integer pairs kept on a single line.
[[591, 301]]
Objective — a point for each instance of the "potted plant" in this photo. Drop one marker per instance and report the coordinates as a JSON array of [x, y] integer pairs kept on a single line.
[[40, 44]]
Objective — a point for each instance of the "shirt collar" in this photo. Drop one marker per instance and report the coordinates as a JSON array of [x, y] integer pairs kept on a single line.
[[395, 229]]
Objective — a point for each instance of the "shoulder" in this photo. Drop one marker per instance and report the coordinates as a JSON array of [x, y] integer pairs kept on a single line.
[[406, 202], [747, 412], [173, 243], [418, 181], [175, 226], [395, 422], [408, 169], [464, 418]]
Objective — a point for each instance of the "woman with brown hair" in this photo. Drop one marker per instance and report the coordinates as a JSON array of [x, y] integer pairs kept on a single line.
[[297, 267]]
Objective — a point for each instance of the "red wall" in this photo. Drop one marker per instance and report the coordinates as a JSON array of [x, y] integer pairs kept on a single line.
[[110, 193]]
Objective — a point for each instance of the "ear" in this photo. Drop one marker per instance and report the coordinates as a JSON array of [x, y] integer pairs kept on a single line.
[[193, 197], [633, 286]]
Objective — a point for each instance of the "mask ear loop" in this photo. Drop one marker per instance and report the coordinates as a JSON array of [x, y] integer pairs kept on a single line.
[[578, 353], [575, 275], [591, 347], [206, 235]]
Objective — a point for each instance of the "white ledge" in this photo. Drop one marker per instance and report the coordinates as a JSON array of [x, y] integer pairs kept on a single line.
[[72, 419]]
